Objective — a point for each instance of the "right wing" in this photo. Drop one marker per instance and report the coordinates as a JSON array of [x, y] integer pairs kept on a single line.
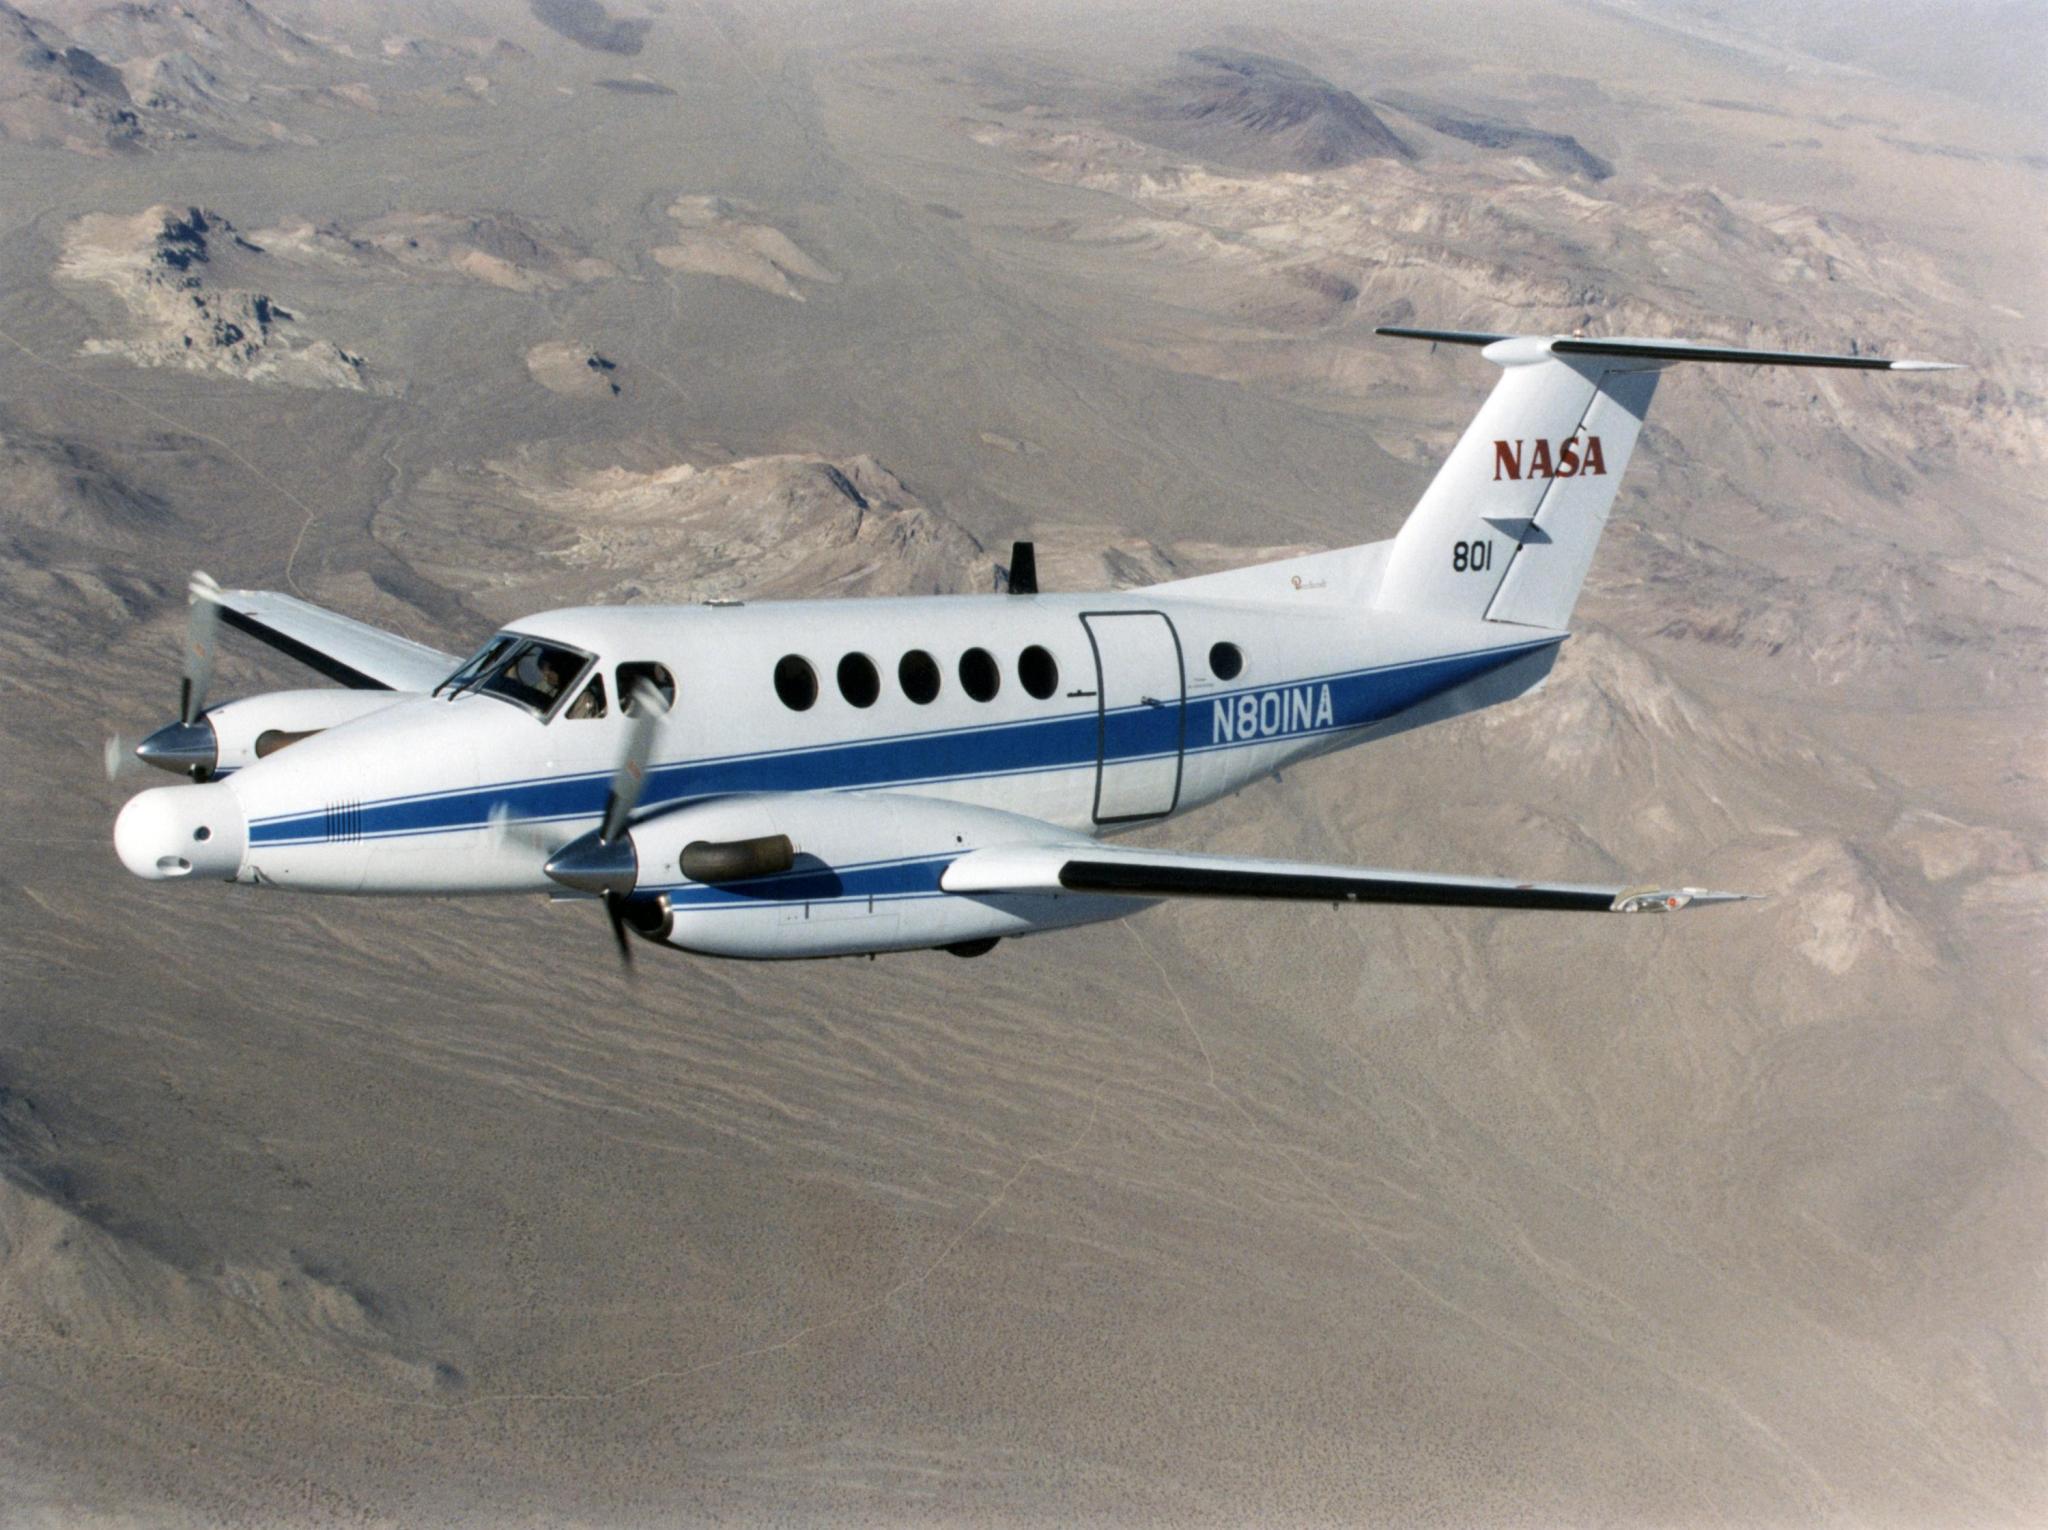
[[1092, 868], [354, 653]]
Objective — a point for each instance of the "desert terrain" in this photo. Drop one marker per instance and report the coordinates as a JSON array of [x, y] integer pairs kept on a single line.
[[330, 1212]]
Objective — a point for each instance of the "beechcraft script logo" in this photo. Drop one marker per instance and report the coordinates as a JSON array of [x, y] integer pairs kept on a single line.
[[1575, 457]]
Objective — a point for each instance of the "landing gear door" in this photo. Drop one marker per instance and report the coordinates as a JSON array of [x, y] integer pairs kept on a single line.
[[1141, 701]]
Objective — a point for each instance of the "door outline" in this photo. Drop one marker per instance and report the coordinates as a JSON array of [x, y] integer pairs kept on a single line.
[[1180, 750]]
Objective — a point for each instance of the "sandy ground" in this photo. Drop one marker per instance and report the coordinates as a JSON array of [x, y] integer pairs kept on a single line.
[[322, 1212]]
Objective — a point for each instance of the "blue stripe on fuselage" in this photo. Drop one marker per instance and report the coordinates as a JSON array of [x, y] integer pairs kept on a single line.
[[1359, 698]]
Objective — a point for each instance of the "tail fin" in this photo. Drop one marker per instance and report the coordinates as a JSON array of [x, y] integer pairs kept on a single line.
[[1506, 531]]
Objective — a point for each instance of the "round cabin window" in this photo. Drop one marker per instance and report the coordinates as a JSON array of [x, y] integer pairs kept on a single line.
[[918, 674], [1038, 671], [796, 683], [979, 676], [1225, 661], [858, 682]]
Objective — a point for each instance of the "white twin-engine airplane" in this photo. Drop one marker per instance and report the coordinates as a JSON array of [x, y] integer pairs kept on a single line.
[[835, 777]]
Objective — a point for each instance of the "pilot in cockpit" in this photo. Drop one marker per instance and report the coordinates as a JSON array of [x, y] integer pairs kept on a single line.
[[590, 703], [539, 670], [533, 675]]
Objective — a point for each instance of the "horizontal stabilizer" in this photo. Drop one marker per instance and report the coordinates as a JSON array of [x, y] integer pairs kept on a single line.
[[347, 651], [1131, 873], [1441, 336], [1533, 347]]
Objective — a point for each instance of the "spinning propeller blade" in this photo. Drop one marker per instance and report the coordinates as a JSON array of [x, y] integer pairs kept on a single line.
[[202, 631], [606, 862], [528, 835], [644, 711], [187, 746], [117, 755], [615, 910]]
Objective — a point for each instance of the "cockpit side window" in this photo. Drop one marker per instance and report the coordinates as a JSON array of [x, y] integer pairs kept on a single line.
[[590, 703], [535, 675], [474, 668], [656, 675]]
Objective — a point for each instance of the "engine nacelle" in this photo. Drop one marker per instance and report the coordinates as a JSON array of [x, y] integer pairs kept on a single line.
[[863, 877], [254, 727]]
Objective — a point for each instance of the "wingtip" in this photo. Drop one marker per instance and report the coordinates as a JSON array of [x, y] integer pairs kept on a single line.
[[1927, 366], [1671, 900]]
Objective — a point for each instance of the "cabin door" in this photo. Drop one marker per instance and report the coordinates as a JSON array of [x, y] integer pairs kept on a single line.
[[1141, 716]]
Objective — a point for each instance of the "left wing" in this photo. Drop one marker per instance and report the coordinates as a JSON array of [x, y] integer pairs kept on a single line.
[[354, 653], [1093, 868]]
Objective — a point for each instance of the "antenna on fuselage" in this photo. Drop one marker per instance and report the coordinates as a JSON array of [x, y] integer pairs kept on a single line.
[[1020, 575]]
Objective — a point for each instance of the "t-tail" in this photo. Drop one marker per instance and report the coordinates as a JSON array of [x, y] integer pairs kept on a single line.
[[1506, 531]]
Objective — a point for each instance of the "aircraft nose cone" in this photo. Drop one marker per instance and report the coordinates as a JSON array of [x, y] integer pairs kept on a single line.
[[169, 832], [592, 865], [181, 747]]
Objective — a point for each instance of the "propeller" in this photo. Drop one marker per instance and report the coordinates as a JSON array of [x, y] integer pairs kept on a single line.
[[615, 911], [509, 829], [117, 757], [202, 631], [644, 711], [187, 746], [605, 862]]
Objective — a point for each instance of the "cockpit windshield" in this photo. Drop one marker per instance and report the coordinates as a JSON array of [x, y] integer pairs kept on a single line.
[[477, 665], [534, 675]]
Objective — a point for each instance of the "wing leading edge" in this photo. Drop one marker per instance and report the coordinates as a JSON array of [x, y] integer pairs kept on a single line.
[[1094, 868], [347, 651]]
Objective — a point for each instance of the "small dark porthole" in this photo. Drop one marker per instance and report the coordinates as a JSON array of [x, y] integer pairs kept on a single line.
[[979, 676], [796, 683], [858, 682], [1225, 662], [918, 674], [1039, 671]]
